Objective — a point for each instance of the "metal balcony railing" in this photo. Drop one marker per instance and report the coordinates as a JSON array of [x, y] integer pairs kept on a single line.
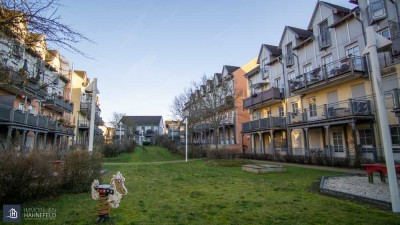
[[343, 67], [8, 114], [59, 104], [337, 110], [264, 124], [263, 97], [376, 11]]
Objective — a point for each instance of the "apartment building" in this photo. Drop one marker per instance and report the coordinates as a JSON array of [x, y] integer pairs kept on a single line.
[[217, 108], [35, 91], [82, 110], [312, 92], [141, 128]]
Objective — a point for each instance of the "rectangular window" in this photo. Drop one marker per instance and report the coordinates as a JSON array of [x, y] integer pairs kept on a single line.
[[32, 109], [306, 70], [312, 107], [353, 50], [268, 113], [281, 112], [265, 68], [395, 134], [278, 82], [385, 32], [291, 75], [289, 55], [21, 106], [337, 140], [328, 65], [324, 38], [365, 136], [295, 108]]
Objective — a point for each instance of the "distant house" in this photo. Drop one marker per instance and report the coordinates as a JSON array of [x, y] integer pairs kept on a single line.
[[149, 127]]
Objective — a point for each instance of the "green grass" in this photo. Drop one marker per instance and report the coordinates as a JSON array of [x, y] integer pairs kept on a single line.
[[201, 192], [145, 154]]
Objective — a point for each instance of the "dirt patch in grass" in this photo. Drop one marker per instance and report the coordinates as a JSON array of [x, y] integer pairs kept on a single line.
[[229, 162]]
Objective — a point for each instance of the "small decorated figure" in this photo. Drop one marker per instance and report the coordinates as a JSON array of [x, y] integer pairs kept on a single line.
[[108, 195]]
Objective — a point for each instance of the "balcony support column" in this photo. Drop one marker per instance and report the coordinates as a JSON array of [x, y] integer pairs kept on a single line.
[[328, 141], [23, 139], [55, 141], [252, 143], [289, 141], [271, 133], [261, 143], [224, 135], [346, 136], [9, 136], [36, 144], [357, 151], [45, 141], [306, 139]]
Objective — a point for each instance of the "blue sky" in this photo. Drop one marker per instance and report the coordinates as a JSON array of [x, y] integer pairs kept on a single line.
[[148, 51]]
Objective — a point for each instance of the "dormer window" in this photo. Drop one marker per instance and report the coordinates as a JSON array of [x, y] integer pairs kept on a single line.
[[265, 69], [289, 55], [376, 11], [324, 38]]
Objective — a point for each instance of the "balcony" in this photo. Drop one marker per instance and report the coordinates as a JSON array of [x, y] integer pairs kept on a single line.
[[98, 120], [339, 71], [85, 108], [59, 104], [333, 113], [324, 39], [228, 121], [203, 126], [264, 124], [8, 115], [20, 83], [376, 11], [82, 124], [264, 98], [57, 127]]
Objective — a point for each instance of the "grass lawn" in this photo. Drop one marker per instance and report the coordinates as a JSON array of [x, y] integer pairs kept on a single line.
[[146, 154], [199, 192]]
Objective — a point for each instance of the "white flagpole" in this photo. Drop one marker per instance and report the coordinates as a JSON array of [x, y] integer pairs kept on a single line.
[[186, 138]]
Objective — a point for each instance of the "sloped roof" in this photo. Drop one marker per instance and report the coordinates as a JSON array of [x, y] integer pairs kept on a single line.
[[231, 69], [301, 33], [274, 50], [141, 120], [337, 9], [219, 77]]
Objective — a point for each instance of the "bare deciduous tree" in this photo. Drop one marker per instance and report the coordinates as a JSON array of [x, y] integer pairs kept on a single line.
[[29, 20]]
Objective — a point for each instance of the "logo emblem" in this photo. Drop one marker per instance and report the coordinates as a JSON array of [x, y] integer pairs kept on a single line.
[[11, 213]]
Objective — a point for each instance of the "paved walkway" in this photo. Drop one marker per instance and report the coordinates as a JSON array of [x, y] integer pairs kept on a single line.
[[327, 168]]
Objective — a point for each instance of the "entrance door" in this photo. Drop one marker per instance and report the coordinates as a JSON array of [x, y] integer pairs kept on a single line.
[[337, 146]]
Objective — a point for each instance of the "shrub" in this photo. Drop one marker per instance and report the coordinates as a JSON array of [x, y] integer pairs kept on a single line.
[[221, 154], [129, 146], [26, 176], [110, 150], [79, 170]]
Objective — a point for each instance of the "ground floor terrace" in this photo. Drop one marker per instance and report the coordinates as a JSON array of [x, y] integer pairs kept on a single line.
[[224, 136]]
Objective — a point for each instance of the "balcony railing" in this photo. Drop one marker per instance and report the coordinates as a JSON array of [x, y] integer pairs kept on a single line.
[[264, 124], [228, 120], [59, 104], [21, 83], [331, 111], [343, 68], [85, 107], [376, 11], [203, 126], [82, 124], [324, 39], [263, 97], [10, 115]]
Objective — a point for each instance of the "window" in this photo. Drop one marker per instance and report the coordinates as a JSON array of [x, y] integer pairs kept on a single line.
[[353, 50], [257, 116], [312, 107], [265, 68], [21, 106], [324, 38], [376, 11], [281, 112], [385, 32], [278, 82], [289, 55], [395, 134], [365, 136], [32, 109], [295, 108], [337, 140], [306, 70], [328, 65], [268, 113], [292, 75]]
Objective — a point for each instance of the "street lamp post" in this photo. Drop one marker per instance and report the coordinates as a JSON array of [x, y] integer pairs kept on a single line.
[[186, 138], [377, 42], [92, 88]]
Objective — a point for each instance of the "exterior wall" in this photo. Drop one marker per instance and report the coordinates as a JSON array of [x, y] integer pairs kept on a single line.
[[242, 115]]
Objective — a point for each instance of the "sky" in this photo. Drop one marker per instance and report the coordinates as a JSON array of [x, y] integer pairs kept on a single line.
[[146, 52]]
